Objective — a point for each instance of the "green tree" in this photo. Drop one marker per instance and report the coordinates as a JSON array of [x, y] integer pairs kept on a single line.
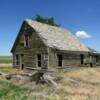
[[49, 21]]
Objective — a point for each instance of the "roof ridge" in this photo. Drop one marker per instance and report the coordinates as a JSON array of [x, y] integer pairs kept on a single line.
[[61, 28]]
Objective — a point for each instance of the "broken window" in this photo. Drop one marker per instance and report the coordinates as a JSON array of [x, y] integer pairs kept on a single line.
[[39, 60], [26, 42], [59, 60]]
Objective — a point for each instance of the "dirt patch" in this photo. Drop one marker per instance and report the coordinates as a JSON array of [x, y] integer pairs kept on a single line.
[[5, 65]]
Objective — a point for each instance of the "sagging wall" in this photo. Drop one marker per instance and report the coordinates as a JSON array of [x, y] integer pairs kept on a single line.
[[30, 58], [68, 59]]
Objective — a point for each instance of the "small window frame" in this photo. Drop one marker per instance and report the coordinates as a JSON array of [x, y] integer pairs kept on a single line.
[[26, 40]]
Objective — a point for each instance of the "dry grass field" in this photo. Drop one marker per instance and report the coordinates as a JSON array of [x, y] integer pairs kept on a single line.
[[80, 84]]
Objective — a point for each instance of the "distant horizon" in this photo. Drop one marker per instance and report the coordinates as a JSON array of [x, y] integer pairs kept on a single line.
[[5, 55], [81, 17]]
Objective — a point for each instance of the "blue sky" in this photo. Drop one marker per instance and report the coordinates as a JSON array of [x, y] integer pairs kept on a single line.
[[75, 15]]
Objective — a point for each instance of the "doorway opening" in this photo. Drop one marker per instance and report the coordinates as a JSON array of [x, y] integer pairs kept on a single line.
[[21, 61], [60, 60], [82, 59]]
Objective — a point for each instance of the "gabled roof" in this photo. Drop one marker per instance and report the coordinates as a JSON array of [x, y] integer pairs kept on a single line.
[[56, 37]]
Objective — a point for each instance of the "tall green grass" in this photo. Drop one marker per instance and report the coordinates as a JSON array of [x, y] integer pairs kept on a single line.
[[9, 91]]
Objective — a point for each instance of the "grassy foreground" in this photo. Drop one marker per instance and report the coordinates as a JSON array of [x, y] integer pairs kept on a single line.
[[79, 84], [9, 91]]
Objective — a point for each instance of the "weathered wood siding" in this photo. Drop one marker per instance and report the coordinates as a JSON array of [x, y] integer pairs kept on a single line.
[[69, 59], [99, 59], [36, 46], [52, 59]]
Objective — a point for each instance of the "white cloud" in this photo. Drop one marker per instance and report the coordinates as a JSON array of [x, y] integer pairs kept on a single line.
[[82, 34]]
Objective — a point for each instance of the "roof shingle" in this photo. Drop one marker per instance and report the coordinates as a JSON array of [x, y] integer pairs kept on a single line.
[[56, 37]]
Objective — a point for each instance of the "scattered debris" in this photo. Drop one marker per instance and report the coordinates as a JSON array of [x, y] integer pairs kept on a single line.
[[38, 76]]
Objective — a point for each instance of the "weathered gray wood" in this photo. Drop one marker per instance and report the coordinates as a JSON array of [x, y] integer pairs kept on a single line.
[[38, 46]]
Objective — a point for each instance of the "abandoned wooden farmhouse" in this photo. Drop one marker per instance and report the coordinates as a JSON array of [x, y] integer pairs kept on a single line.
[[40, 45]]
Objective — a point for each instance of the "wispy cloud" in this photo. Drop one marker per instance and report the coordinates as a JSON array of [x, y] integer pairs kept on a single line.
[[82, 34]]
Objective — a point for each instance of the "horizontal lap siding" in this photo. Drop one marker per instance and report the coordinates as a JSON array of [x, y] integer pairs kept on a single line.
[[69, 59], [30, 59], [71, 62], [36, 46]]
